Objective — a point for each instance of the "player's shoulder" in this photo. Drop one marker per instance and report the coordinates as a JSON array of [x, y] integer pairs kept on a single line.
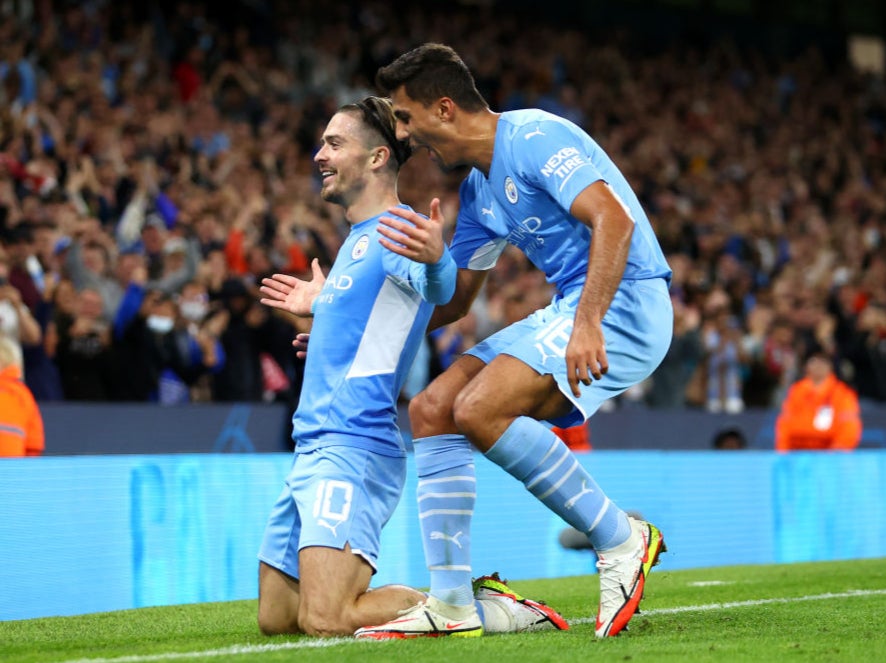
[[403, 206], [406, 207], [472, 184], [522, 126], [532, 136]]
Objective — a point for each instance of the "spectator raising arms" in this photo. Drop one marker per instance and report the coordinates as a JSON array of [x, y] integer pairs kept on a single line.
[[130, 133]]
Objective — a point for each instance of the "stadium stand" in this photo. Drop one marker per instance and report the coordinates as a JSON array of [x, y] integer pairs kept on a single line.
[[145, 148]]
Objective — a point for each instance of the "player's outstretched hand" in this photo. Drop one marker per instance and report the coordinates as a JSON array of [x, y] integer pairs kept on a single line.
[[413, 236], [292, 294]]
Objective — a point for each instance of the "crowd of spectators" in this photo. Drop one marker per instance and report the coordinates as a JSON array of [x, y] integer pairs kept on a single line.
[[156, 163]]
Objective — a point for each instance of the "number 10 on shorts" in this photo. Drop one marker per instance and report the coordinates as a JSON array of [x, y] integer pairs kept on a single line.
[[333, 500]]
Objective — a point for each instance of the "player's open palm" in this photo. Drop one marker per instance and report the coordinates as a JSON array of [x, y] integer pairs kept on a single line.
[[292, 294], [412, 235]]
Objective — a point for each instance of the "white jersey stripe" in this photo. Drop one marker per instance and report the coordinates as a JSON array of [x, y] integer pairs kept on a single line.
[[387, 329]]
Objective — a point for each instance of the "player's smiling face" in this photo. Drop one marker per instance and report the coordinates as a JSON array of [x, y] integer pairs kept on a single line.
[[422, 127], [343, 159]]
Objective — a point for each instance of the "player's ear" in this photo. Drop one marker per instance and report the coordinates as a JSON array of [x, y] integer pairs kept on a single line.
[[380, 155], [445, 109]]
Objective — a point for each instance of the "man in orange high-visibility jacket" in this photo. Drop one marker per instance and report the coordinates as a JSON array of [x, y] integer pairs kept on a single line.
[[576, 437], [820, 411], [21, 424]]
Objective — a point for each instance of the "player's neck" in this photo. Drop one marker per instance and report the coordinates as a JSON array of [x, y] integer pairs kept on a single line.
[[371, 203], [478, 139]]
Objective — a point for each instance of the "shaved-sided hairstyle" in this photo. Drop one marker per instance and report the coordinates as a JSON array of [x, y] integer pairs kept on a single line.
[[377, 115], [429, 72]]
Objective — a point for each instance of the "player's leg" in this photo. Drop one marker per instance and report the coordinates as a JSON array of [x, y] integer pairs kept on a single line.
[[333, 599], [490, 411], [335, 595], [321, 545], [430, 411], [531, 378], [492, 405], [446, 491], [278, 600], [278, 586]]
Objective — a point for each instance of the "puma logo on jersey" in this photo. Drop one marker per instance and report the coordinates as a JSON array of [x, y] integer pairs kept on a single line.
[[487, 211], [537, 132]]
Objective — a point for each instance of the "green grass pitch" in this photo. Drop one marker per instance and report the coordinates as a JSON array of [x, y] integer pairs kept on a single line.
[[809, 612]]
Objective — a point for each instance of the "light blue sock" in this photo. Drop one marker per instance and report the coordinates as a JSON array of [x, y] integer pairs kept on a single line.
[[447, 490], [536, 456]]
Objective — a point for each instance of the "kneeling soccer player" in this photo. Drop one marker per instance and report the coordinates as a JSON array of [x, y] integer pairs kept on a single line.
[[370, 313]]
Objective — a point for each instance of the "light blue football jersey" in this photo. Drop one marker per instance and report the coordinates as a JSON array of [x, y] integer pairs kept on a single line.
[[369, 320], [541, 162]]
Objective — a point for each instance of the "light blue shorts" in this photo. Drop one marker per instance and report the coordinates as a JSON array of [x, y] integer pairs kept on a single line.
[[333, 496], [637, 327]]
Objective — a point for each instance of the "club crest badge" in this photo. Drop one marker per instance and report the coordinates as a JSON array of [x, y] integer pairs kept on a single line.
[[360, 247], [511, 190]]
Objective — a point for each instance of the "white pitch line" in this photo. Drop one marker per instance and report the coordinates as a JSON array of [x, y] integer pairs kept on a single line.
[[746, 604], [233, 650], [334, 642]]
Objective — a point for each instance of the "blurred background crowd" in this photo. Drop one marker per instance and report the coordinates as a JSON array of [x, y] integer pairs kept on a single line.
[[156, 163]]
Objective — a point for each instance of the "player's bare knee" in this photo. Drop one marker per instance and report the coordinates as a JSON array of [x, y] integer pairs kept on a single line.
[[468, 414], [270, 623], [269, 626], [432, 411]]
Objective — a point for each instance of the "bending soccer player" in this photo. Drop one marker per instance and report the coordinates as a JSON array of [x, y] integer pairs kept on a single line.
[[370, 313], [542, 184]]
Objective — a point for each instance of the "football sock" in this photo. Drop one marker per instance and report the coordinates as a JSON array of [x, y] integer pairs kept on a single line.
[[447, 490], [536, 456]]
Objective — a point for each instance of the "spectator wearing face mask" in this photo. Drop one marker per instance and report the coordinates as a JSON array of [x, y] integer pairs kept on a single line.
[[198, 353], [166, 344], [145, 318]]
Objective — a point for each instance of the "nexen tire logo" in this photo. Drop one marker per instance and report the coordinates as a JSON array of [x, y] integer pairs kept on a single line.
[[563, 162]]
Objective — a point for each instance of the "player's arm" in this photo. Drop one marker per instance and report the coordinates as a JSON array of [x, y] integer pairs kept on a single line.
[[431, 270], [439, 279], [580, 189], [467, 286], [597, 207], [408, 236]]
